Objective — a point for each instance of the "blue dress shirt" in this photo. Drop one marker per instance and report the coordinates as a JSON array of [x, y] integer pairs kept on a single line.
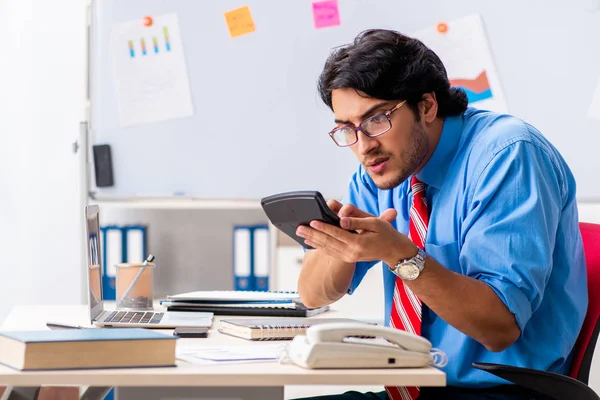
[[503, 211]]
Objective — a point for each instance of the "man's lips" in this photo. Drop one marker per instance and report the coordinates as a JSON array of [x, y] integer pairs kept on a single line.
[[378, 165], [376, 161]]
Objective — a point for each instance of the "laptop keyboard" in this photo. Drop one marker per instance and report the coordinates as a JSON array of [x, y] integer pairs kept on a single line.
[[134, 317]]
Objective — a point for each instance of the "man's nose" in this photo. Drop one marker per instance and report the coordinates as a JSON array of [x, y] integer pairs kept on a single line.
[[365, 143]]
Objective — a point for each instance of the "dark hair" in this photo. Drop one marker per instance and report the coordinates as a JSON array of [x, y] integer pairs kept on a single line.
[[388, 65]]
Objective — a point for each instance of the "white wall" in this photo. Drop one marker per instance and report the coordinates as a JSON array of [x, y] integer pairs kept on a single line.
[[41, 102], [589, 212]]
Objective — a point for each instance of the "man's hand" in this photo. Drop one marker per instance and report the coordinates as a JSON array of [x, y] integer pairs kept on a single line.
[[348, 210], [376, 238]]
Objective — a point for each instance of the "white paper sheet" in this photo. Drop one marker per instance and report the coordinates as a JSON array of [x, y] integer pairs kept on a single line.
[[149, 69], [594, 111], [463, 48], [211, 355]]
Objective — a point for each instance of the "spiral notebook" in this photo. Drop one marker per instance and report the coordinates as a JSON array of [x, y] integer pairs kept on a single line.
[[272, 328]]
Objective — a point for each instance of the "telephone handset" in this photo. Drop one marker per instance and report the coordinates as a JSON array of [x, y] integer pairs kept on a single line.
[[338, 331], [336, 345]]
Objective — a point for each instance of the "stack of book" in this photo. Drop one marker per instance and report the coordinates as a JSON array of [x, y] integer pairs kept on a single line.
[[251, 303], [86, 348]]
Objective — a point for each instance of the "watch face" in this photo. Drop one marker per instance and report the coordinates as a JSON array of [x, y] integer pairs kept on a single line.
[[408, 271]]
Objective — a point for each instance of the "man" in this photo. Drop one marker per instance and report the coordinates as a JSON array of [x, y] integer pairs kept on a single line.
[[473, 214]]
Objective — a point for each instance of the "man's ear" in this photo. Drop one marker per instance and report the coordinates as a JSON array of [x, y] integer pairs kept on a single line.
[[428, 107]]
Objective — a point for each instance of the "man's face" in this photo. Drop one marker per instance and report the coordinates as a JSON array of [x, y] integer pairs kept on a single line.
[[391, 158]]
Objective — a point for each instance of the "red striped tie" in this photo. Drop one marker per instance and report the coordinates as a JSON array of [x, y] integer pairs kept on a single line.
[[406, 307]]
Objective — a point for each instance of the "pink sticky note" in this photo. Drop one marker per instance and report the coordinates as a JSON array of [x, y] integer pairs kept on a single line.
[[326, 13]]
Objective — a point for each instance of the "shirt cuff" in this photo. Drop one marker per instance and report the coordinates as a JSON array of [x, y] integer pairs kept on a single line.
[[513, 298], [360, 270]]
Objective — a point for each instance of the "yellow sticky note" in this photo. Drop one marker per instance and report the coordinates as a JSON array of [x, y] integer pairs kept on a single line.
[[239, 21]]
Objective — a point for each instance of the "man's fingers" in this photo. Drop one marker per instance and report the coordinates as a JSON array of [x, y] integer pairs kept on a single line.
[[389, 215], [348, 210], [334, 205], [353, 224], [335, 233], [320, 234], [330, 251]]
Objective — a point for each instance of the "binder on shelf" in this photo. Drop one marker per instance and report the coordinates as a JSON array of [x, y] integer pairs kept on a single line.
[[135, 243], [242, 258], [260, 257], [113, 244]]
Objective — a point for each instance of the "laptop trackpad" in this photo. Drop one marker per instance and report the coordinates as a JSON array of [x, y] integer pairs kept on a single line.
[[182, 318]]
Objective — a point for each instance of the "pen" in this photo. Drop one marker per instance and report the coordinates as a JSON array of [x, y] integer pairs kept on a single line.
[[56, 326], [136, 277], [148, 260]]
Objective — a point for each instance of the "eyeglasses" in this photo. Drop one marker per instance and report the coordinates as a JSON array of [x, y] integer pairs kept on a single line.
[[373, 126]]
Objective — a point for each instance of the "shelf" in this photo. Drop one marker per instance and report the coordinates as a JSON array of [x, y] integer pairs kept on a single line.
[[178, 204]]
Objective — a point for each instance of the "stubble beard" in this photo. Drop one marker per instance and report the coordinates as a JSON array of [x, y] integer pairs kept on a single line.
[[412, 157]]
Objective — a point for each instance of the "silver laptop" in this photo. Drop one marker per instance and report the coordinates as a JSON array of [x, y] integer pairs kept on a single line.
[[125, 318]]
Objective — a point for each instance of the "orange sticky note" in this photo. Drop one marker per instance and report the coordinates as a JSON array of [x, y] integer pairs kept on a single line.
[[239, 21]]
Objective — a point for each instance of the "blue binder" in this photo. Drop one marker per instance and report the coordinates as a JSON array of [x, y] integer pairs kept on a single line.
[[242, 258], [251, 257], [135, 243], [261, 257], [113, 245]]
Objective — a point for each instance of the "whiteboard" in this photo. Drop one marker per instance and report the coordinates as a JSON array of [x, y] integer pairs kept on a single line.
[[259, 126]]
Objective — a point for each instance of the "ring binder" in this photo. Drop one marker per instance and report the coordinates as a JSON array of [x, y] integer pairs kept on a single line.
[[277, 332]]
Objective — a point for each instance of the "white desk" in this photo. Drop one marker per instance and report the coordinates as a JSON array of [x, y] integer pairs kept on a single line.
[[249, 380]]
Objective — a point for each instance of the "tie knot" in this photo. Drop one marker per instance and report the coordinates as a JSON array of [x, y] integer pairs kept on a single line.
[[416, 185]]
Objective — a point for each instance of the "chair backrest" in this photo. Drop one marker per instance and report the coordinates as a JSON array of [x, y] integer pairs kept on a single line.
[[586, 342]]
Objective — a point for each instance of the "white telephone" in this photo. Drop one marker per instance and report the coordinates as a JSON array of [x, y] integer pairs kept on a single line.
[[337, 345]]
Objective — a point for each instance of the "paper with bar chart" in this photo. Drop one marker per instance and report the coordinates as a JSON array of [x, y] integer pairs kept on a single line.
[[463, 48], [149, 68]]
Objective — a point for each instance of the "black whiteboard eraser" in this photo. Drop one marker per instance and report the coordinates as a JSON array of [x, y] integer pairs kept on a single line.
[[103, 165]]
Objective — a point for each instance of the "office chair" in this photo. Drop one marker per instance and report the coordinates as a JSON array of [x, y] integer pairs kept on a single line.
[[574, 386]]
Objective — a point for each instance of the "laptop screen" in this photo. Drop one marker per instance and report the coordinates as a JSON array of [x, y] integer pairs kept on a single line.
[[94, 260]]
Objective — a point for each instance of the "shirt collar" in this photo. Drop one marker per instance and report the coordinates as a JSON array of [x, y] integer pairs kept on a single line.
[[435, 170]]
